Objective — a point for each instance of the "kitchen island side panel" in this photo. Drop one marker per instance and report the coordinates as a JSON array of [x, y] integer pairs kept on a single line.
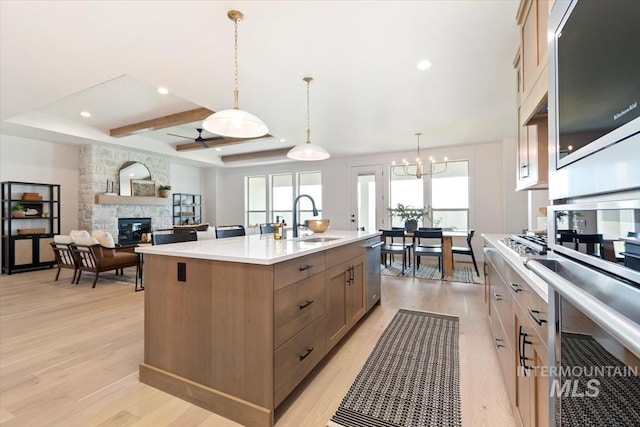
[[214, 328]]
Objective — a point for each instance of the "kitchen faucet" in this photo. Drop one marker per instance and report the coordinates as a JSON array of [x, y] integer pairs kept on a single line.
[[295, 212]]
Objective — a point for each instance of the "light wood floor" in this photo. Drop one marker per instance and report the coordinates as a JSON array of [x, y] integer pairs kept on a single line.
[[69, 356]]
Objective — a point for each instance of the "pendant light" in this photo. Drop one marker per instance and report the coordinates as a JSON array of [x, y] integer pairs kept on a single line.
[[235, 123], [308, 151]]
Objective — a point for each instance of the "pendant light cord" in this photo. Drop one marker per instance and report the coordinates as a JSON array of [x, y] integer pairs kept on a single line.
[[308, 80], [235, 58]]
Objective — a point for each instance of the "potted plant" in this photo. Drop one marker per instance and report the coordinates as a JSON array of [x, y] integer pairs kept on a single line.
[[18, 211], [165, 190], [410, 215]]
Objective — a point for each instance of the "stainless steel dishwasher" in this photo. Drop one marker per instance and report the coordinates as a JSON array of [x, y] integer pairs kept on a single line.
[[372, 277]]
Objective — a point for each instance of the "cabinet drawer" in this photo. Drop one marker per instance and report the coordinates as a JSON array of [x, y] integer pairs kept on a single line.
[[297, 305], [505, 352], [340, 254], [297, 357], [295, 270], [502, 307], [538, 312]]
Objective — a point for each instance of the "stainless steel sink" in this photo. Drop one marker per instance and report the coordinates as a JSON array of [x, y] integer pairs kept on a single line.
[[319, 239]]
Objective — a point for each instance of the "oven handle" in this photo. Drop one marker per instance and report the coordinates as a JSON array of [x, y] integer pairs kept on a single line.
[[620, 327]]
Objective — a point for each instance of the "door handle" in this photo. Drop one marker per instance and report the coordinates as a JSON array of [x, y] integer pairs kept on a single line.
[[305, 267], [497, 297], [515, 287]]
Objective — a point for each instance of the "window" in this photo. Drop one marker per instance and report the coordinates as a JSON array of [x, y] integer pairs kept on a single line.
[[256, 199], [269, 197], [447, 193], [450, 196]]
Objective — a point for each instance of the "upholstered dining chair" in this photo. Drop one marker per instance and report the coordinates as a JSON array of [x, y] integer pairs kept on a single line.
[[223, 231], [467, 250], [427, 243], [395, 243]]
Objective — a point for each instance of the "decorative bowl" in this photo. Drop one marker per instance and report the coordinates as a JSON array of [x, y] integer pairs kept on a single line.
[[317, 225]]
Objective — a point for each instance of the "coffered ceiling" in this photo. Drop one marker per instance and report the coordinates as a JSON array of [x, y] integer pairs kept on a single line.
[[58, 58]]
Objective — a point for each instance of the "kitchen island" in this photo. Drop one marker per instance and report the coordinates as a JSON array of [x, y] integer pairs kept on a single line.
[[233, 325]]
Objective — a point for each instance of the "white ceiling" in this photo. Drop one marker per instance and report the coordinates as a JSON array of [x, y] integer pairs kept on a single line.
[[60, 57]]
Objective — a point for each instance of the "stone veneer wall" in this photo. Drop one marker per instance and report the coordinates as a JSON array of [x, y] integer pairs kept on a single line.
[[99, 164]]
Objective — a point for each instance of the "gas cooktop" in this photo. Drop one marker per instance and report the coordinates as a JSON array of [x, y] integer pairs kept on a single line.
[[527, 245]]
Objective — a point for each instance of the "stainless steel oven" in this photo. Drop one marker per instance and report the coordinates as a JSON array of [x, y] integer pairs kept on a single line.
[[594, 310], [594, 345]]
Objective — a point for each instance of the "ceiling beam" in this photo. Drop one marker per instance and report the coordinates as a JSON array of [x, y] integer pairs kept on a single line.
[[216, 143], [256, 155], [162, 122]]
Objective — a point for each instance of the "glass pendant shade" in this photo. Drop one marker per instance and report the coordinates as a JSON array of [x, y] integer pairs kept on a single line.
[[308, 152], [235, 123]]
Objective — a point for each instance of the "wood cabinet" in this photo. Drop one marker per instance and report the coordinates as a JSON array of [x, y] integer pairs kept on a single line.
[[533, 170], [25, 239], [530, 65], [532, 18], [187, 209], [517, 318], [237, 338], [345, 291]]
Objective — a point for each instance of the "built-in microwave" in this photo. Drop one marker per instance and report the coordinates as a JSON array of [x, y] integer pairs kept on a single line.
[[594, 97]]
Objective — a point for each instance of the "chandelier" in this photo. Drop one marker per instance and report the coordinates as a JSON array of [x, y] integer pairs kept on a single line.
[[417, 169], [235, 123]]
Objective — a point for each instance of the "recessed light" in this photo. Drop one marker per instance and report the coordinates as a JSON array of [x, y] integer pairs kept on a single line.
[[163, 90], [283, 140], [85, 114], [218, 149], [424, 64]]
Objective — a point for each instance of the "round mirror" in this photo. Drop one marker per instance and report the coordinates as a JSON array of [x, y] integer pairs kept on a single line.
[[129, 171]]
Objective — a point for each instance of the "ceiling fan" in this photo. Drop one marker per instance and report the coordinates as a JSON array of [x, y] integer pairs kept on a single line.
[[200, 140]]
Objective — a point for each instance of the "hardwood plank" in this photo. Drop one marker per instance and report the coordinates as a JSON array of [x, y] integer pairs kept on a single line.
[[48, 326], [162, 122]]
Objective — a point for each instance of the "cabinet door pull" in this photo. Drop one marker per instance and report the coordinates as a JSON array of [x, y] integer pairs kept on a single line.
[[515, 287], [353, 275], [498, 343], [522, 347], [538, 320], [497, 297], [304, 356], [306, 304], [305, 267]]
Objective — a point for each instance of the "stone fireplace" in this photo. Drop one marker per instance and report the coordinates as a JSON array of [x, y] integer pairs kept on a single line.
[[99, 164]]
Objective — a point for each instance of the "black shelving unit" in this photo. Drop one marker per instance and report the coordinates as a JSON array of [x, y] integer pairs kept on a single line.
[[187, 209], [25, 241]]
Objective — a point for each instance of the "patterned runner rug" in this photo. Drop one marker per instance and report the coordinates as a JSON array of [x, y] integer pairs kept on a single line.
[[461, 273], [411, 377]]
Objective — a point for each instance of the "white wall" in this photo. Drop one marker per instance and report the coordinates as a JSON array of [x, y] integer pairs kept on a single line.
[[52, 163], [44, 162], [487, 187]]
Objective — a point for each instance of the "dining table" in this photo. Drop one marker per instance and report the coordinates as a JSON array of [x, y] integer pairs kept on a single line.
[[447, 244]]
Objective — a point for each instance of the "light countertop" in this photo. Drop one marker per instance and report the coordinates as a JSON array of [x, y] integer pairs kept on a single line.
[[517, 262], [258, 248]]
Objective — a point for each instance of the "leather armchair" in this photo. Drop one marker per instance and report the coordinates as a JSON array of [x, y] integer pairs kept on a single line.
[[96, 259]]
